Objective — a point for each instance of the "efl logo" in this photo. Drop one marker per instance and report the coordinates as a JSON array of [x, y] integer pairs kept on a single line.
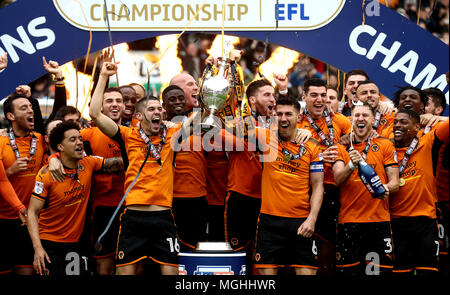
[[290, 11]]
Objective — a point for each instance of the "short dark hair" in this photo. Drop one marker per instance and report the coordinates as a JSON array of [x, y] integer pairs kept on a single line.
[[8, 104], [423, 97], [140, 105], [112, 89], [357, 72], [285, 100], [169, 88], [57, 134], [66, 110], [364, 104], [437, 96], [253, 87], [330, 87], [366, 83], [411, 113], [315, 82], [48, 123]]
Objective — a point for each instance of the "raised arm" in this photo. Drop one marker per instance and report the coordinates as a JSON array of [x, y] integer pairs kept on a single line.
[[106, 124], [52, 67]]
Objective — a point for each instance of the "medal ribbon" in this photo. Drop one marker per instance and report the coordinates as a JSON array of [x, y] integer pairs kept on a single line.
[[376, 123], [156, 152], [408, 153], [12, 141], [325, 140]]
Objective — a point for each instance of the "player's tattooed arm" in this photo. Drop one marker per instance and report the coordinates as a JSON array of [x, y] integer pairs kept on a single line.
[[113, 165]]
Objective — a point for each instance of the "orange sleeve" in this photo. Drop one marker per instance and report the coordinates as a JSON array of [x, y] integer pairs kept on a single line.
[[390, 156], [346, 125], [7, 192], [442, 132]]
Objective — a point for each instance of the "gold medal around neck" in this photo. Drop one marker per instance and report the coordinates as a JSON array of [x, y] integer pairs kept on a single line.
[[402, 182]]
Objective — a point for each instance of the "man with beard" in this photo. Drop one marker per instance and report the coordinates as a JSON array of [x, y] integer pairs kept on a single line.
[[327, 129], [364, 240], [368, 92], [107, 189], [413, 207], [353, 78], [147, 226], [436, 104], [57, 210], [189, 188], [22, 151], [288, 212], [243, 201]]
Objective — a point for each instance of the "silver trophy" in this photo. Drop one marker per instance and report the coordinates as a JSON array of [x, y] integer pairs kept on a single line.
[[214, 94]]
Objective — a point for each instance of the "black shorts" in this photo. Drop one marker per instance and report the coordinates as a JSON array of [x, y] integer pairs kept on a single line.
[[364, 248], [278, 244], [241, 219], [190, 219], [101, 217], [326, 224], [216, 230], [147, 235], [442, 216], [416, 244], [15, 247], [66, 259]]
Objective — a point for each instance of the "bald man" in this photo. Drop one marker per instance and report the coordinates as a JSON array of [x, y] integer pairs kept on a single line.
[[190, 88]]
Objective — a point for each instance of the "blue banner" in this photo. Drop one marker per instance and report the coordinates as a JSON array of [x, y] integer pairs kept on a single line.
[[391, 49]]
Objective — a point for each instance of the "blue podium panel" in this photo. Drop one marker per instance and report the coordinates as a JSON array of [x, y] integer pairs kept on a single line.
[[212, 264]]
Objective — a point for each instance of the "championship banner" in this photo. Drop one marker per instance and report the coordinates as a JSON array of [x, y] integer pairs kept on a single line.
[[344, 33]]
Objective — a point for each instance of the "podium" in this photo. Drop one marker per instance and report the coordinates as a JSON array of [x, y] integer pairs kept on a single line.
[[212, 258]]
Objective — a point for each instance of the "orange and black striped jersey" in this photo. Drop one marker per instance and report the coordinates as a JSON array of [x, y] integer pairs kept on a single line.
[[190, 169], [107, 188], [22, 182], [286, 181], [63, 215], [341, 126], [418, 196], [216, 177], [357, 204], [155, 183]]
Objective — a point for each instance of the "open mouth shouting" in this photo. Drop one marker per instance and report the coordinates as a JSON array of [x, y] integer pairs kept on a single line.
[[30, 121], [361, 127], [155, 123], [79, 151]]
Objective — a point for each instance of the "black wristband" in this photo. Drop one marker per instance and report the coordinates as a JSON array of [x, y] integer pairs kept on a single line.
[[58, 79]]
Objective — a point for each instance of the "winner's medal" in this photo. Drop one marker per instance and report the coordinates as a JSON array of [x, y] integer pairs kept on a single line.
[[402, 182]]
